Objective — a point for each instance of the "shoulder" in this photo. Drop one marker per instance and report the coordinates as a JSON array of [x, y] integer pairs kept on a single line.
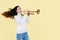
[[15, 16]]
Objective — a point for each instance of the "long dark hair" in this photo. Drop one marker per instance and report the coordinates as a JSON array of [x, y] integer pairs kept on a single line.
[[11, 13]]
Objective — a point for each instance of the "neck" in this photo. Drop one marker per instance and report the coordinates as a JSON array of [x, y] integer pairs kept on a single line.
[[21, 14], [18, 13]]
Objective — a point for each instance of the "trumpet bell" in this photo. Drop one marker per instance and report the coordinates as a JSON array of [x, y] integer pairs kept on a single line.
[[38, 11]]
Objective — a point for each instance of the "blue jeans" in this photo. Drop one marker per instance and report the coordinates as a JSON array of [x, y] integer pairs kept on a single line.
[[23, 36]]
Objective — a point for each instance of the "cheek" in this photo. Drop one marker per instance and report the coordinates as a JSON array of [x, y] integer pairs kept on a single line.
[[18, 10]]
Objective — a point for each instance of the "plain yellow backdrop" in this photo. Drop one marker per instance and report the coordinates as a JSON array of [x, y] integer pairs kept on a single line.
[[45, 26]]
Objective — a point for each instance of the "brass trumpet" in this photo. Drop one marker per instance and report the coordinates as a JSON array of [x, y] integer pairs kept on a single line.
[[32, 12]]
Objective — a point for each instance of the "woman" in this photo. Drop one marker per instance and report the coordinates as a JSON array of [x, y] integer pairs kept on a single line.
[[21, 21]]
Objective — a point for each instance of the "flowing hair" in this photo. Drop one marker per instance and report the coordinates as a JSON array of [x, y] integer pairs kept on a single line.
[[11, 13]]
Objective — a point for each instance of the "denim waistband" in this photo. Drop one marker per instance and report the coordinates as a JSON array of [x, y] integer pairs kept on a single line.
[[22, 33]]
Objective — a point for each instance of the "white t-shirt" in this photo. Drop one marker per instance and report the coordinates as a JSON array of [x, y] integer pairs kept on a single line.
[[21, 22]]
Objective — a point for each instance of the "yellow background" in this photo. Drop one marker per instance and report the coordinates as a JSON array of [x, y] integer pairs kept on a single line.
[[45, 26]]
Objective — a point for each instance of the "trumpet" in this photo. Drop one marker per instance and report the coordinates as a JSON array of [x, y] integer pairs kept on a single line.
[[31, 12]]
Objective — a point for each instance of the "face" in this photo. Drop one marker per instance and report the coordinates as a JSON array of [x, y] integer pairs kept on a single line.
[[18, 10]]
